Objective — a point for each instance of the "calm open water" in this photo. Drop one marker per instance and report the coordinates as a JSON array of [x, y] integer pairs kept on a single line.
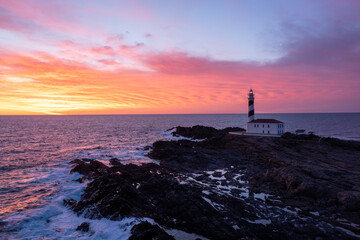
[[35, 152]]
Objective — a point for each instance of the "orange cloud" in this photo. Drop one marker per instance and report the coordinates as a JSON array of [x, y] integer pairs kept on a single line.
[[122, 79]]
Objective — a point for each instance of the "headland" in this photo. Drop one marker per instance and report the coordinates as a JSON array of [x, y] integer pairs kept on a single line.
[[231, 187]]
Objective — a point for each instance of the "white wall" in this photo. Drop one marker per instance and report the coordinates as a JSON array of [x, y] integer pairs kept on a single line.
[[265, 128]]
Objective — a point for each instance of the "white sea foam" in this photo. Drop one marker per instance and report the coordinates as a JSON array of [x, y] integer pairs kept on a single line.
[[55, 221], [315, 213], [169, 135], [261, 196], [238, 178], [206, 192], [348, 232], [260, 221], [197, 174], [213, 204], [217, 178], [135, 155], [181, 235], [286, 209], [222, 171]]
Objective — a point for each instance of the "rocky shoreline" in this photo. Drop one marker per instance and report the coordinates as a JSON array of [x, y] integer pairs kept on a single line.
[[231, 187]]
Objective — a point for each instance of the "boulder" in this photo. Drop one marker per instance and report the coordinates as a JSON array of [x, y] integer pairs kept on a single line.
[[147, 231], [350, 200], [85, 226]]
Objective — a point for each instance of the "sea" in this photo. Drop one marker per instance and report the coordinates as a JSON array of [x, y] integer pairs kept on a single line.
[[35, 152]]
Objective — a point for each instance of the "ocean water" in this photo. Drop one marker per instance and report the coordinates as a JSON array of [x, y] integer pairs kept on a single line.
[[35, 152]]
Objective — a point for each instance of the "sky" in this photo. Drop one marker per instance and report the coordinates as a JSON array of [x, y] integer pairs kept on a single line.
[[179, 57]]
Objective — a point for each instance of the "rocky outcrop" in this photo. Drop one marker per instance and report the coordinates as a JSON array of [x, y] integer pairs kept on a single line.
[[350, 200], [149, 191], [147, 231], [201, 132], [233, 187], [84, 227]]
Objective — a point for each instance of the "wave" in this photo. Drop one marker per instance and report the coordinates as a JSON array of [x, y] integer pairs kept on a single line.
[[54, 221]]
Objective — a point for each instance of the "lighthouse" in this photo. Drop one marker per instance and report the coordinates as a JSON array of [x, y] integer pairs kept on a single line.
[[262, 127], [251, 106]]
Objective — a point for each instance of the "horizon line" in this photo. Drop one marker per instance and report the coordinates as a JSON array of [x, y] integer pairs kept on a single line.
[[139, 114]]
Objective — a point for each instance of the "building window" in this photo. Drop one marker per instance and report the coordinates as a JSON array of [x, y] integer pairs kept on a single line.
[[263, 131], [268, 131], [263, 125], [268, 125]]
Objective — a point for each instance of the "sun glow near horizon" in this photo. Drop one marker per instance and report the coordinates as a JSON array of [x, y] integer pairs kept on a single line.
[[55, 59]]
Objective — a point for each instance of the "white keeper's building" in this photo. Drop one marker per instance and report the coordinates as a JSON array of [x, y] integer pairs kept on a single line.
[[262, 126], [265, 126]]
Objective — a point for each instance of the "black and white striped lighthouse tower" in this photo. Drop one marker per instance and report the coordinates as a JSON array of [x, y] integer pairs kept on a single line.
[[251, 106]]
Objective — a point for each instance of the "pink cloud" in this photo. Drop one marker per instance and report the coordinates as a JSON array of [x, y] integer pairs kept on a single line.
[[108, 62], [222, 89], [13, 23], [52, 16], [105, 50], [318, 72], [148, 35], [137, 46], [115, 39]]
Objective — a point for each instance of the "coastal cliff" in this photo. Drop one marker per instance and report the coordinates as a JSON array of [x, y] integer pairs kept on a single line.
[[232, 187]]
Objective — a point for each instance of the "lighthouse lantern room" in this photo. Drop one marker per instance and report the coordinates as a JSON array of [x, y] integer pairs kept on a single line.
[[262, 126]]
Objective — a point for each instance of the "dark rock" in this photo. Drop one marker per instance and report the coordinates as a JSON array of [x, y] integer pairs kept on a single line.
[[355, 145], [289, 135], [85, 226], [201, 132], [115, 161], [147, 231], [70, 202], [81, 180], [146, 148], [195, 132], [350, 200], [139, 190], [87, 166], [305, 174]]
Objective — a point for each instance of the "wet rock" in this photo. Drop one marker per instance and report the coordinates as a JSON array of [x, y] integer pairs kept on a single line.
[[350, 200], [80, 180], [88, 166], [292, 136], [70, 202], [140, 191], [146, 148], [201, 132], [195, 132], [85, 227], [147, 231], [294, 182], [298, 187]]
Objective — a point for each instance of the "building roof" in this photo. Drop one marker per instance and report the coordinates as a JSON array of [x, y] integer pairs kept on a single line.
[[265, 121]]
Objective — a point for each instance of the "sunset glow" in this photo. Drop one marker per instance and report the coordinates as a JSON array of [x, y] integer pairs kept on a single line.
[[150, 57]]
